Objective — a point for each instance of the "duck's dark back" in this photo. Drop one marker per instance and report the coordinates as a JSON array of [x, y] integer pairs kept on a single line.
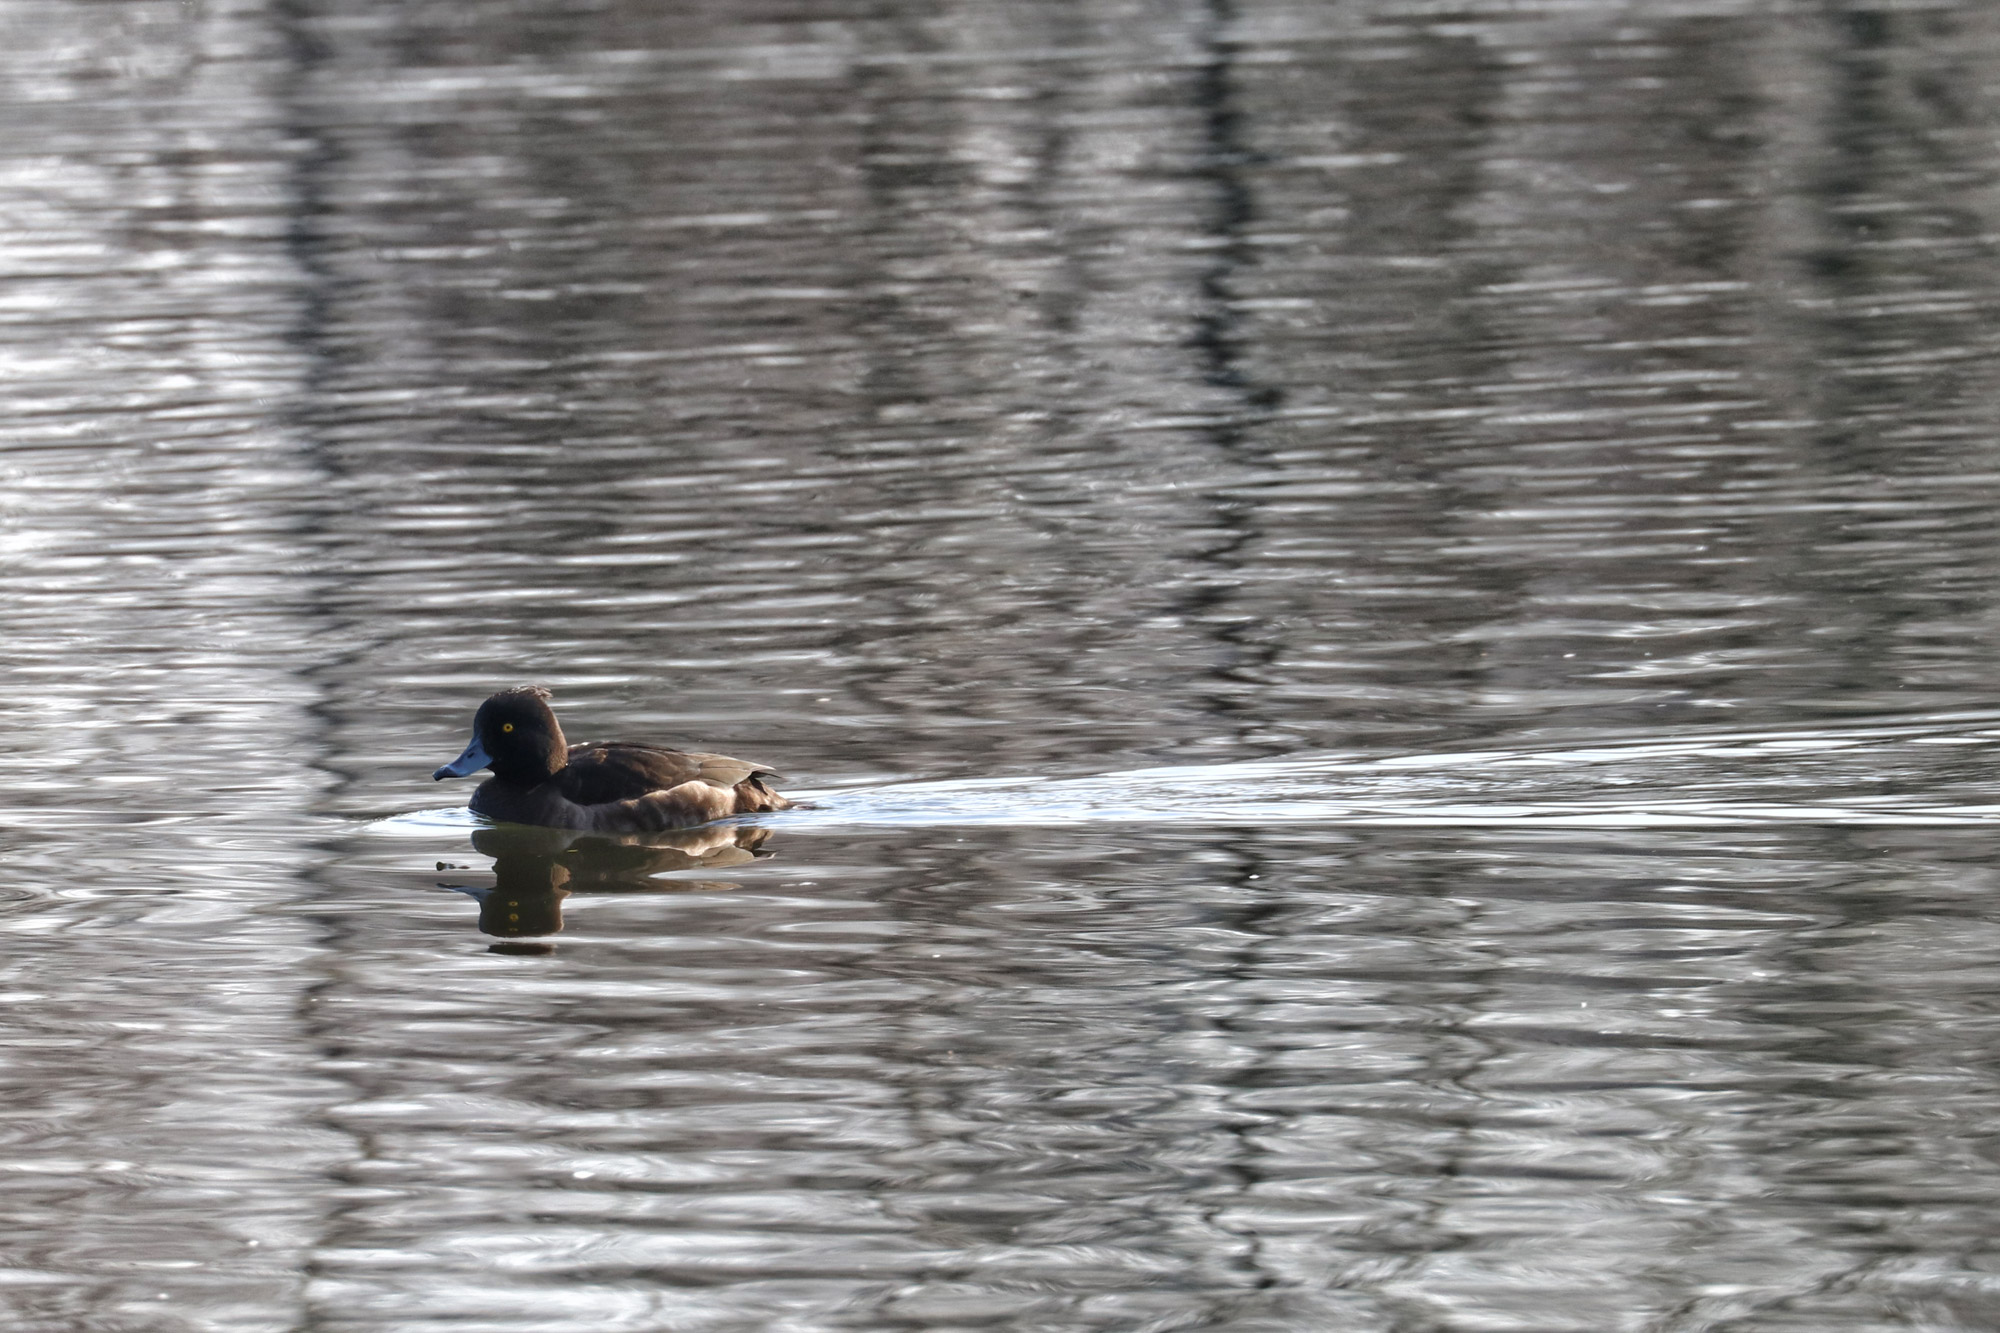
[[622, 771]]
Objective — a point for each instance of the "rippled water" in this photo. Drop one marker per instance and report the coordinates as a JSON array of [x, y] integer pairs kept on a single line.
[[1385, 611]]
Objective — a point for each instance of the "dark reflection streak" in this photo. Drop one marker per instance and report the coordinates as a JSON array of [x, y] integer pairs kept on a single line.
[[1867, 132], [307, 245], [1857, 166], [1243, 968], [1061, 302], [305, 232], [1218, 337], [1847, 1034], [1447, 1068], [1458, 340], [891, 191], [1799, 954], [899, 168], [1218, 333]]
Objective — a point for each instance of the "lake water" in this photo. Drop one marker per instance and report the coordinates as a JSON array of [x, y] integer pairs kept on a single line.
[[1387, 610]]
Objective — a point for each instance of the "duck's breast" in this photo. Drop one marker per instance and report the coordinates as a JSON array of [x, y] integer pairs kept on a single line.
[[511, 804]]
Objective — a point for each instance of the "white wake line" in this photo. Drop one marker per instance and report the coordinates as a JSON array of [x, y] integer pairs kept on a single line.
[[1658, 815], [1309, 789]]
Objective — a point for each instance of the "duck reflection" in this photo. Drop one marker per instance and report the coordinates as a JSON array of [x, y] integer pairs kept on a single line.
[[534, 869]]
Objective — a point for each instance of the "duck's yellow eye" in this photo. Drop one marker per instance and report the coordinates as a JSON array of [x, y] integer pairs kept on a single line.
[[506, 726]]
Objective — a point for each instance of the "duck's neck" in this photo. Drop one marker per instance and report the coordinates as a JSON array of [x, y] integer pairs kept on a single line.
[[533, 770]]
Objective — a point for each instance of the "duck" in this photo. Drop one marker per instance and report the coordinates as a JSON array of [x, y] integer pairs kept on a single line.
[[601, 787]]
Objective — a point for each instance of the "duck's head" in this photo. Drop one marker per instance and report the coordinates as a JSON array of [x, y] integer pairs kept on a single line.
[[515, 734]]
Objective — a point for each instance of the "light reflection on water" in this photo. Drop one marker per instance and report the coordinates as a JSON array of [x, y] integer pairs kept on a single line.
[[1080, 1075], [1388, 615]]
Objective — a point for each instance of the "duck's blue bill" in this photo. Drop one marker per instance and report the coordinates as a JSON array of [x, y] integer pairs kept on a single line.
[[474, 759]]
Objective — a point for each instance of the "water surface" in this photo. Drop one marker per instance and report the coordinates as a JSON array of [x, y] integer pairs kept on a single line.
[[1386, 610]]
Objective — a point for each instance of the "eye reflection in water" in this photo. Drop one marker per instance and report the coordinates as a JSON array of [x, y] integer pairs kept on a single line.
[[534, 869]]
